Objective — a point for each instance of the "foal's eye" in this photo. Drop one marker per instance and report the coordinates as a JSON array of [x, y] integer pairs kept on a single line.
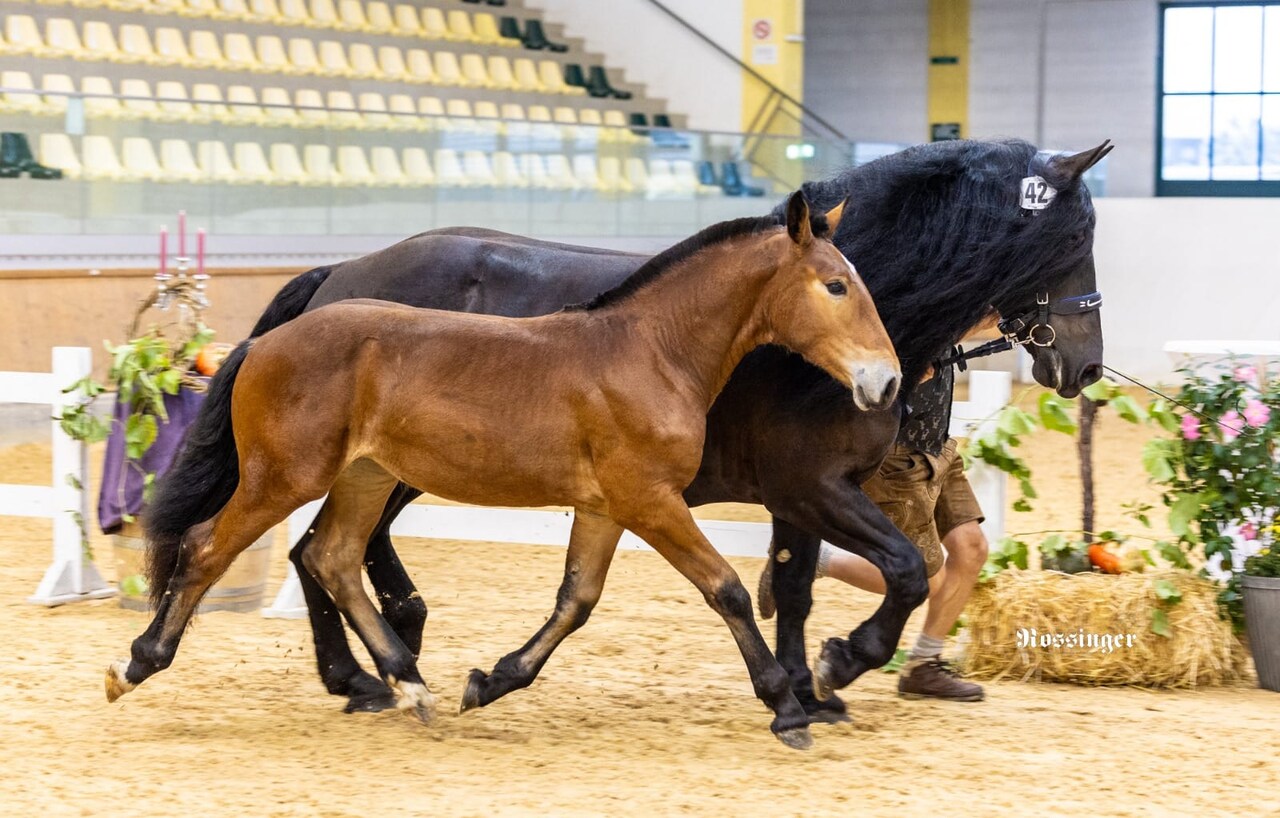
[[837, 288]]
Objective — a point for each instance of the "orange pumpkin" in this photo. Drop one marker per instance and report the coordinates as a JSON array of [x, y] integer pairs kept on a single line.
[[1104, 560], [210, 357]]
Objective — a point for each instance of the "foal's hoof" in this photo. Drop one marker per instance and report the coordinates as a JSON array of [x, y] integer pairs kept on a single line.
[[823, 687], [372, 702], [797, 738], [471, 695], [416, 700], [117, 684]]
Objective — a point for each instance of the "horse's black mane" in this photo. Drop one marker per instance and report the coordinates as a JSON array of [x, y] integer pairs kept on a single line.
[[937, 234], [715, 234]]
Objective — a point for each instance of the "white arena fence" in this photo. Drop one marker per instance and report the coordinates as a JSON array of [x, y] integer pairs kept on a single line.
[[72, 576]]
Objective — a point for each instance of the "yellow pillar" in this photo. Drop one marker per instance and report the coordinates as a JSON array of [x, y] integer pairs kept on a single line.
[[948, 68], [773, 45]]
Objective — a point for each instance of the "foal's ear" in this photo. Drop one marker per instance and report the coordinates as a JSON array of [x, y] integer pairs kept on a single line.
[[1075, 165], [798, 226], [834, 215]]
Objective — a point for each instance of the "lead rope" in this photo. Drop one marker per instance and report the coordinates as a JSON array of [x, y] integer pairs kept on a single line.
[[1244, 430]]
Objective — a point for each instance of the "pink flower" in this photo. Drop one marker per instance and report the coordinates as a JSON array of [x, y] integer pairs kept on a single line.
[[1230, 424], [1190, 427], [1248, 531], [1246, 374], [1256, 413]]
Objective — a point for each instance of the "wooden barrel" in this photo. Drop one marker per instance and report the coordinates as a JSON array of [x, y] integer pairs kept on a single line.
[[241, 589]]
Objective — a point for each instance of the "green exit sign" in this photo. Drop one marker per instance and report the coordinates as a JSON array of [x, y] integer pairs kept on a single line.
[[944, 60]]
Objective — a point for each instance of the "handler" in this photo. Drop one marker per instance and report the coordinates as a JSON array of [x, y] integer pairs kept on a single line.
[[922, 488]]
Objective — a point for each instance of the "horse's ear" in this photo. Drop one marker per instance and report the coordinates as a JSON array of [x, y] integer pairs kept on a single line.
[[834, 215], [1075, 165], [798, 226]]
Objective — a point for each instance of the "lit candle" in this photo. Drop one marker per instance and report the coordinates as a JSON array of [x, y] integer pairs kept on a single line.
[[182, 233], [200, 251], [164, 244]]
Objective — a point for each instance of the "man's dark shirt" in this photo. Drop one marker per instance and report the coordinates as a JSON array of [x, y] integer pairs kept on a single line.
[[927, 428]]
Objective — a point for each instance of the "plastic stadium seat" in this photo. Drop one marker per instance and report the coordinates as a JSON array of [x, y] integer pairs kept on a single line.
[[560, 174], [460, 114], [318, 160], [433, 24], [418, 64], [447, 69], [139, 160], [167, 6], [333, 59], [512, 110], [431, 106], [234, 10], [100, 42], [251, 163], [139, 101], [200, 8], [448, 167], [61, 37], [353, 166], [100, 98], [391, 64], [386, 167], [661, 183], [485, 28], [475, 164], [214, 162], [56, 151], [474, 73], [21, 35], [586, 173], [610, 175], [565, 115], [589, 116], [351, 16], [539, 113], [486, 109], [135, 44], [302, 56], [527, 75], [238, 51], [22, 96], [99, 160], [552, 76], [323, 14], [57, 89], [686, 176], [637, 173], [373, 107], [243, 102], [205, 50], [364, 64], [417, 169], [278, 109], [174, 104], [208, 102], [286, 164], [265, 11], [407, 20], [533, 169], [501, 75], [459, 23], [404, 115], [506, 170], [294, 13], [342, 110], [172, 47], [178, 162], [310, 107], [378, 15], [272, 56]]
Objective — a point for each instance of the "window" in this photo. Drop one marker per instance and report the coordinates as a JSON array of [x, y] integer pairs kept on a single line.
[[1219, 106]]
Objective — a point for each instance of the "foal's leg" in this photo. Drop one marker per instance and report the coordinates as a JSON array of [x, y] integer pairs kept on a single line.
[[669, 528], [591, 547], [356, 502], [206, 553], [795, 559]]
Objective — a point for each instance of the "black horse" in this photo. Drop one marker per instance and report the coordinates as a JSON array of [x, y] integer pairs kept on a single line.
[[943, 236]]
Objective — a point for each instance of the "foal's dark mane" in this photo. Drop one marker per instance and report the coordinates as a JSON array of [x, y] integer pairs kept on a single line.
[[937, 234], [672, 256]]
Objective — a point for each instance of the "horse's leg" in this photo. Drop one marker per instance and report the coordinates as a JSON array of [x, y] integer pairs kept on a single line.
[[843, 515], [795, 558], [339, 669], [670, 529], [355, 505], [592, 543], [207, 551]]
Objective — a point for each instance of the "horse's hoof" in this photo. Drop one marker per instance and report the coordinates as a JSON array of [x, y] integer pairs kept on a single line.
[[416, 700], [117, 684], [471, 695], [822, 686], [374, 702], [797, 738]]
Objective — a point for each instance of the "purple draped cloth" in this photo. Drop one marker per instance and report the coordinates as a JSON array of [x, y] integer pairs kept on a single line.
[[121, 492]]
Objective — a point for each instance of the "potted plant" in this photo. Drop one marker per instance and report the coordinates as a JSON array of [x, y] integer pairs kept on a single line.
[[1261, 585], [159, 377]]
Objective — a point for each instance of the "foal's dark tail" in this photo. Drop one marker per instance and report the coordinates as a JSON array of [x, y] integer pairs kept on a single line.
[[291, 300], [201, 480]]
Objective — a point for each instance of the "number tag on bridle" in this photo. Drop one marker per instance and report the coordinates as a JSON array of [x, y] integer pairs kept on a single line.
[[1036, 193]]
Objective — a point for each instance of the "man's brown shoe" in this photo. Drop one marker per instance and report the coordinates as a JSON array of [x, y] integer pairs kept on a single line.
[[935, 679]]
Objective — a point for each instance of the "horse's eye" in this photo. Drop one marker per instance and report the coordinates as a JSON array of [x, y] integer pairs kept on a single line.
[[837, 287]]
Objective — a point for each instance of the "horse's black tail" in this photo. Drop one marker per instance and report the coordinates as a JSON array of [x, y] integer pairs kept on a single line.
[[291, 300], [201, 480]]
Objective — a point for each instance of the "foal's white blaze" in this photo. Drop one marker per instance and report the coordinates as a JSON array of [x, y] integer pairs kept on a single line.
[[874, 376]]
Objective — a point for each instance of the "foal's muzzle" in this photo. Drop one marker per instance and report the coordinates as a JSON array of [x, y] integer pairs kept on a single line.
[[875, 385]]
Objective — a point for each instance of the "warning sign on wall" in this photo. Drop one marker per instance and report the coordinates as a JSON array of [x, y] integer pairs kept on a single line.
[[762, 29]]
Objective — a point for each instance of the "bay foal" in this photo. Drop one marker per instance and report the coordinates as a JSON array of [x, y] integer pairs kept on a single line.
[[601, 407]]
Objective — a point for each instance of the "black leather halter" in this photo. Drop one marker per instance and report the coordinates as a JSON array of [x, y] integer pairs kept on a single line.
[[1034, 328]]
